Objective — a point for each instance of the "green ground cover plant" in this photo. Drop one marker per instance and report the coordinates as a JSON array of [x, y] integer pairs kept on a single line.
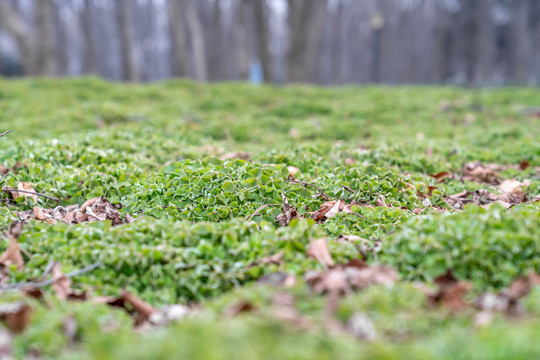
[[219, 196]]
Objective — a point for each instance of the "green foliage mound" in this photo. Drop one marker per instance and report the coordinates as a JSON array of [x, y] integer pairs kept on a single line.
[[203, 225]]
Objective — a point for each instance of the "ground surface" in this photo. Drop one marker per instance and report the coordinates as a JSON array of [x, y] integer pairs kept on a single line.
[[203, 238]]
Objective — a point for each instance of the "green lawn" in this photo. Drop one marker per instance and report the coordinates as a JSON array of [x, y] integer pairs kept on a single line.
[[193, 163]]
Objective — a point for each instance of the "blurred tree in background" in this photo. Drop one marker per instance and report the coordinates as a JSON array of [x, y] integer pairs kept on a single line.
[[488, 42]]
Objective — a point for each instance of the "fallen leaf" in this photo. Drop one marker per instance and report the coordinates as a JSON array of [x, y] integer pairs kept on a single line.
[[476, 171], [293, 171], [450, 293], [39, 214], [143, 309], [318, 249], [353, 276], [524, 164], [288, 214], [92, 210], [330, 209], [62, 285], [513, 187], [12, 255], [15, 315], [240, 307], [441, 176]]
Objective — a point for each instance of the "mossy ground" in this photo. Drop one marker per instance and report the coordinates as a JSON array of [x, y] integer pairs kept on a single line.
[[154, 148]]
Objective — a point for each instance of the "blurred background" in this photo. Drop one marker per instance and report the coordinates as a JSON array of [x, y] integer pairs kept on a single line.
[[328, 42]]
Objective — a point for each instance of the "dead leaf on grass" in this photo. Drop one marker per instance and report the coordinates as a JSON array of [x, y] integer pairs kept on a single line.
[[12, 255], [441, 176], [450, 292], [293, 172], [288, 214], [16, 316], [318, 249], [240, 307], [476, 171], [330, 209], [62, 285], [354, 276], [508, 300], [92, 210]]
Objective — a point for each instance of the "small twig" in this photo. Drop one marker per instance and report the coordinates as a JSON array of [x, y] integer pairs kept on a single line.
[[19, 286], [259, 210], [33, 193], [323, 194], [5, 133], [478, 201], [348, 188], [362, 216]]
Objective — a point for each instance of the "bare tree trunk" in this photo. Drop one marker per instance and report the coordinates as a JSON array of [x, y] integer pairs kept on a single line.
[[197, 40], [89, 63], [21, 32], [242, 40], [45, 35], [179, 48], [261, 24], [306, 24], [130, 68]]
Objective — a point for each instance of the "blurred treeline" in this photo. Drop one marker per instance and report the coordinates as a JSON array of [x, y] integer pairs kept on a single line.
[[485, 42]]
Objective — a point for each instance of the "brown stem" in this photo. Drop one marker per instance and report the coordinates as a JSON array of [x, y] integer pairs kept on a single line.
[[324, 195], [259, 210], [5, 133], [33, 193]]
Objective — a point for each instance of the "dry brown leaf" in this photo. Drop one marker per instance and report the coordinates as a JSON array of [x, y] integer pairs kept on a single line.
[[508, 300], [441, 176], [288, 214], [524, 164], [240, 307], [39, 214], [478, 172], [514, 187], [4, 170], [16, 316], [345, 278], [143, 309], [62, 285], [92, 210], [293, 171], [318, 249], [450, 293], [12, 255], [330, 209]]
